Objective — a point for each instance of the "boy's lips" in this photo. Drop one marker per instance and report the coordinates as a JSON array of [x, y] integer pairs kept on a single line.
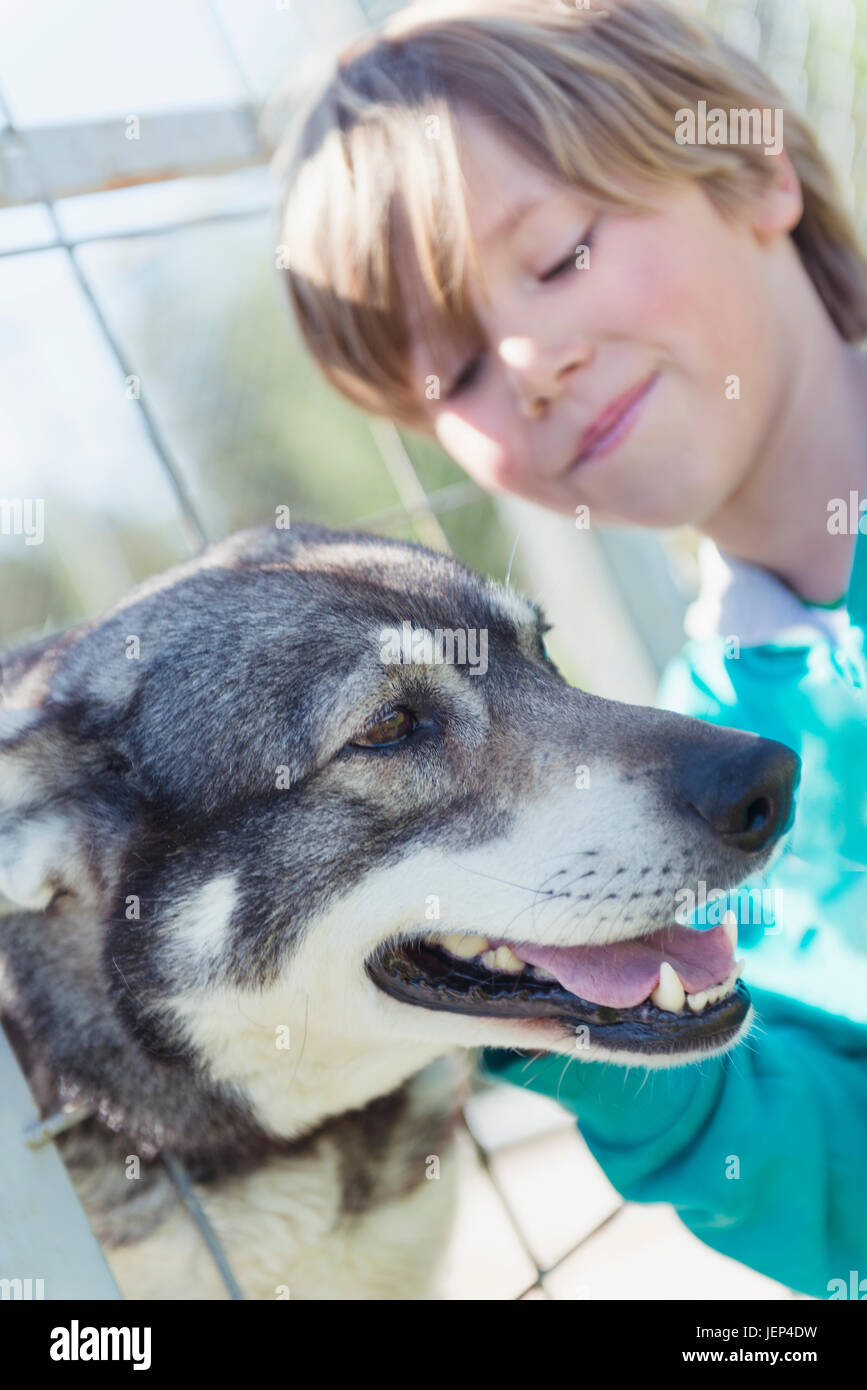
[[611, 425]]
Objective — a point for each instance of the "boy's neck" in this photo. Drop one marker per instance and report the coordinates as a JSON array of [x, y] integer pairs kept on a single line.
[[816, 450]]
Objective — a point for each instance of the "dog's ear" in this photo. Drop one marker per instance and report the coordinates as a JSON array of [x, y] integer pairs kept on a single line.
[[66, 794]]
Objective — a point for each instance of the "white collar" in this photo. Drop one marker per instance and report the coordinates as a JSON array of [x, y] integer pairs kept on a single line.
[[737, 599]]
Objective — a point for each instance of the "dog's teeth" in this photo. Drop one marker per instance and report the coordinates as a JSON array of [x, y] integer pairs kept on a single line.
[[699, 1001], [542, 974], [503, 958], [730, 927], [464, 946], [669, 993]]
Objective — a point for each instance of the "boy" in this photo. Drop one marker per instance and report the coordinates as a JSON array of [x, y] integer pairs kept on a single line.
[[504, 230]]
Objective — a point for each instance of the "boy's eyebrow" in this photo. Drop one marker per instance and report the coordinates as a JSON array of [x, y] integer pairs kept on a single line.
[[512, 218]]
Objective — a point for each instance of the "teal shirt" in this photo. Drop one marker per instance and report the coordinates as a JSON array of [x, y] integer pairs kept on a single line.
[[763, 1152]]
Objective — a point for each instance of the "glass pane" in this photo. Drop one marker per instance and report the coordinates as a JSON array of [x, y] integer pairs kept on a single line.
[[98, 58], [268, 37], [478, 537], [198, 312], [23, 228], [432, 464], [154, 206], [75, 455]]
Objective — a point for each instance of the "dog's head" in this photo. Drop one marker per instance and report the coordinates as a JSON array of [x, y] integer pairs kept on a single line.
[[328, 789]]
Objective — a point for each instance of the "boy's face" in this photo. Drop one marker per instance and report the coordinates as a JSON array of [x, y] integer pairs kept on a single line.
[[610, 384]]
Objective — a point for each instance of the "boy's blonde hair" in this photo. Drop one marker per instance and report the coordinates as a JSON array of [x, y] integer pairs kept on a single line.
[[373, 221]]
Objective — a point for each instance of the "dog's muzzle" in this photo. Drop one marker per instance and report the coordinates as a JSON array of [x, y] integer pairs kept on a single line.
[[660, 994]]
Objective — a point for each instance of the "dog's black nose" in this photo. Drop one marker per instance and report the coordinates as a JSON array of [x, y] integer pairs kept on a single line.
[[748, 798]]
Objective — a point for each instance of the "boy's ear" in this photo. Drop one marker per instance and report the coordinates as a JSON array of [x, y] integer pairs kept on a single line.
[[779, 207], [65, 798]]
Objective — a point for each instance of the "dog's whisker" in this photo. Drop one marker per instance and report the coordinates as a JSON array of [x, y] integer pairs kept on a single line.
[[494, 878], [303, 1040], [569, 1061], [528, 907], [511, 560]]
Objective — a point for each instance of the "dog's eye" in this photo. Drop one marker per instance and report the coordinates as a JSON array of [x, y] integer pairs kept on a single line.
[[392, 727]]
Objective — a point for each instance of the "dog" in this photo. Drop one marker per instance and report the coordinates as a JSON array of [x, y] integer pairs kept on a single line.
[[282, 851]]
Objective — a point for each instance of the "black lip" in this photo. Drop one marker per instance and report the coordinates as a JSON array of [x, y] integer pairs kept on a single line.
[[420, 974]]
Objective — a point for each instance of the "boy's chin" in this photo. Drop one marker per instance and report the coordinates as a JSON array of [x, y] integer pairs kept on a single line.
[[671, 502]]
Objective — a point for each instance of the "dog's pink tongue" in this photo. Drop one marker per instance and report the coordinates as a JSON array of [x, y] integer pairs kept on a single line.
[[627, 972]]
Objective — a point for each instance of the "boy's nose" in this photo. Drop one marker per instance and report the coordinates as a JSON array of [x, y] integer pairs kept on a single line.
[[537, 374]]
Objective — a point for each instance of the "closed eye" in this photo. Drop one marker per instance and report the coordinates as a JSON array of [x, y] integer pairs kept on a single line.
[[569, 262], [465, 378]]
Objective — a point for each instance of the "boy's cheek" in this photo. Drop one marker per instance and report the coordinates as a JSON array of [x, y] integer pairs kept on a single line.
[[486, 461], [507, 474], [660, 296], [674, 279]]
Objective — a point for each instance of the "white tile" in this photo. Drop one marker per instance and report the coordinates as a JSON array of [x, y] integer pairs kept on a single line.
[[556, 1190], [485, 1259], [647, 1253], [506, 1114]]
